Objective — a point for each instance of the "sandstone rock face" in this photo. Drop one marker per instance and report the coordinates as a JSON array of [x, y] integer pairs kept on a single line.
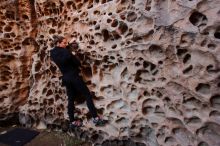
[[153, 66]]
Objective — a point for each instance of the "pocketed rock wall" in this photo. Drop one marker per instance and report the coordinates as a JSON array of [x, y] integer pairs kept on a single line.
[[153, 66]]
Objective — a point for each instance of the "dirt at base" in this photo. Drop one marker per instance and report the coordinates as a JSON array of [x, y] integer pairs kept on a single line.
[[50, 138]]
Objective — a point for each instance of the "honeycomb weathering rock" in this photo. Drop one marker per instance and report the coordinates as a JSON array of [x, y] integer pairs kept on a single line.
[[152, 65]]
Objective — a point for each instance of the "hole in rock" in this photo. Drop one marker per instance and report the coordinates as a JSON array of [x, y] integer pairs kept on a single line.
[[103, 1], [193, 120], [155, 72], [148, 109], [97, 27], [50, 101], [114, 23], [186, 58], [10, 14], [6, 35], [146, 64], [122, 27], [49, 92], [211, 46], [131, 16], [203, 144], [7, 28], [148, 5], [109, 20], [160, 62], [91, 42], [217, 34], [152, 66], [214, 114], [105, 35], [192, 102], [209, 67], [87, 71], [209, 129], [197, 18], [215, 101], [90, 6], [122, 120], [25, 17], [203, 43], [166, 99], [137, 64], [188, 69], [1, 100], [116, 35], [203, 88], [52, 31], [114, 46], [156, 51], [169, 140]]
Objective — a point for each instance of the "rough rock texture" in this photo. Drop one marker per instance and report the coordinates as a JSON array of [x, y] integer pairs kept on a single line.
[[153, 66]]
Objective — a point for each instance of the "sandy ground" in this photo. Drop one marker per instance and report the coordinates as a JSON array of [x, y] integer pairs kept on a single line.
[[50, 138]]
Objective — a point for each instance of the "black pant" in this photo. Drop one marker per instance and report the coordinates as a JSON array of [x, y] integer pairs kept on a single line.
[[74, 83]]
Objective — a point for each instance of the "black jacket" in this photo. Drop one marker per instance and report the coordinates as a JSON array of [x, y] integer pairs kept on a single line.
[[66, 61]]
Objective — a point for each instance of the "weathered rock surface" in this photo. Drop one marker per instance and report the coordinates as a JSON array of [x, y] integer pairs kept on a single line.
[[153, 66]]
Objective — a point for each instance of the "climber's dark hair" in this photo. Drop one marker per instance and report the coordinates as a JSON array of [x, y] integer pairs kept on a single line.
[[57, 39]]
